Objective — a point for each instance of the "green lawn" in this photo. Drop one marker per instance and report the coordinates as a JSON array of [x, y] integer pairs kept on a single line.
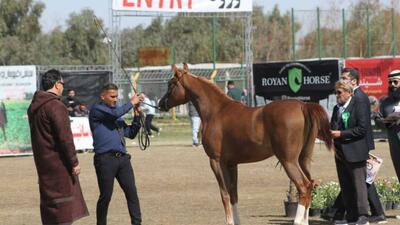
[[17, 127]]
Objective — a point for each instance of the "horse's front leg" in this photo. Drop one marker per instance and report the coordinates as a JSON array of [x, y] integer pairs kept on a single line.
[[227, 181]]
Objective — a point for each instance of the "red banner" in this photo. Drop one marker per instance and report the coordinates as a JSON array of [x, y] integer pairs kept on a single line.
[[373, 76]]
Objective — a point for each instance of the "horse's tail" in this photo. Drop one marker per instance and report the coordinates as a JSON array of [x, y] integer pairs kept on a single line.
[[317, 118]]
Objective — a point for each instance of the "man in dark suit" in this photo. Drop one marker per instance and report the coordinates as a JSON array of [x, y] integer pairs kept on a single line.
[[377, 214], [349, 124]]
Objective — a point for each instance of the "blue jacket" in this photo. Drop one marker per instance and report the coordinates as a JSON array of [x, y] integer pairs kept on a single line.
[[108, 128]]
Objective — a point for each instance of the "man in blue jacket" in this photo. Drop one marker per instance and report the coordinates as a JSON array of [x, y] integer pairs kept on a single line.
[[111, 159]]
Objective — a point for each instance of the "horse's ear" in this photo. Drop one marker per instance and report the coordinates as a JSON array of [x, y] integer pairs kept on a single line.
[[185, 67], [176, 71], [174, 68]]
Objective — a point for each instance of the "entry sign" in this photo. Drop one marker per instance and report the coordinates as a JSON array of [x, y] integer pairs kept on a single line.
[[304, 80], [184, 5]]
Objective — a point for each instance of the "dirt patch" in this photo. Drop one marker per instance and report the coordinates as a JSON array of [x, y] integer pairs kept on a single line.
[[176, 187]]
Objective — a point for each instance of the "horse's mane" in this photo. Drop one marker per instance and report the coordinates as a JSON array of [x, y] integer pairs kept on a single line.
[[209, 84]]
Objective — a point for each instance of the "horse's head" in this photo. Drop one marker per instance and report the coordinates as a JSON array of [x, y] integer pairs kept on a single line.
[[176, 92]]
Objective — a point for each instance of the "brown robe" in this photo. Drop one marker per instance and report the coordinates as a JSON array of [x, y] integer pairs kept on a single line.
[[61, 199]]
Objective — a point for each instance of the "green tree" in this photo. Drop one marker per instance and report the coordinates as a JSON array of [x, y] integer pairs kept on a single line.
[[272, 35], [85, 40], [19, 31], [54, 48]]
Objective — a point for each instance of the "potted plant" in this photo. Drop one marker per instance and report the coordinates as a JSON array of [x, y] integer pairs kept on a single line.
[[383, 187], [396, 193], [331, 191], [292, 200], [318, 201]]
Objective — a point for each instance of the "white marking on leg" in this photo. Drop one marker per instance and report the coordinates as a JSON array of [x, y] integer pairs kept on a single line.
[[236, 220], [229, 220], [305, 221], [299, 215], [229, 216]]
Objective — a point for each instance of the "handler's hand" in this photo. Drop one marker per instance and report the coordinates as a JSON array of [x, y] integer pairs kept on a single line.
[[138, 111], [335, 133], [135, 99], [76, 170]]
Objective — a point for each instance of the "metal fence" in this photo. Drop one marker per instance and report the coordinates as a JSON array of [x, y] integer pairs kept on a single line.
[[360, 31], [153, 81]]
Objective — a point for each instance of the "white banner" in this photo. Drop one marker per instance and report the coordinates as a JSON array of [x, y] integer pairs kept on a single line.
[[81, 132], [184, 5], [17, 82]]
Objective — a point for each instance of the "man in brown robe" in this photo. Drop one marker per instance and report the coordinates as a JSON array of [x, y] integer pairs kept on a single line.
[[61, 199]]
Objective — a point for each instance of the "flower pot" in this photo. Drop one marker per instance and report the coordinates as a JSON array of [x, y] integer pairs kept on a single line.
[[396, 205], [314, 212], [387, 205], [290, 209]]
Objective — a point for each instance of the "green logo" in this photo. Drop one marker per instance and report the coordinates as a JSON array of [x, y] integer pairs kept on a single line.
[[295, 79]]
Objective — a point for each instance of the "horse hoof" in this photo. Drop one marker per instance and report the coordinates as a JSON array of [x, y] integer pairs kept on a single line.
[[299, 223]]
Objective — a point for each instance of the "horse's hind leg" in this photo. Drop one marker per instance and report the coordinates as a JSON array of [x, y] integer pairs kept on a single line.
[[227, 181], [304, 187], [305, 164]]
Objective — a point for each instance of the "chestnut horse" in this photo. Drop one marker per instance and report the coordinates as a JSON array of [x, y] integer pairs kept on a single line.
[[233, 133]]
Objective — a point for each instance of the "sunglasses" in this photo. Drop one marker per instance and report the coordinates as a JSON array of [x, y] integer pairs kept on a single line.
[[338, 92], [394, 82]]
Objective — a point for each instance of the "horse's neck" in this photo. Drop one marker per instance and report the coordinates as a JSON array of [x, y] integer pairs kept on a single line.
[[207, 100]]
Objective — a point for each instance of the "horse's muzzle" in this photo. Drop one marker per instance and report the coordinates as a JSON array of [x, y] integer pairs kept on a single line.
[[163, 105]]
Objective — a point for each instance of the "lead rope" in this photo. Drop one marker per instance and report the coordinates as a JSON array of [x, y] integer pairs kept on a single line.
[[144, 137]]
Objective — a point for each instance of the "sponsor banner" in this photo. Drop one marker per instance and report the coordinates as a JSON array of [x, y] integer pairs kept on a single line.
[[81, 132], [303, 80], [186, 6], [17, 82], [17, 86], [154, 56], [373, 76]]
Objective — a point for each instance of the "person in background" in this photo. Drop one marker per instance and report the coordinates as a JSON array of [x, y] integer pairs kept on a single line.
[[150, 112], [388, 118], [234, 92], [377, 213], [71, 102], [111, 159], [82, 110], [349, 124], [195, 122], [57, 165]]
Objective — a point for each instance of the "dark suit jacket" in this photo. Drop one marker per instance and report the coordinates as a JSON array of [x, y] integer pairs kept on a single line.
[[360, 95], [352, 144]]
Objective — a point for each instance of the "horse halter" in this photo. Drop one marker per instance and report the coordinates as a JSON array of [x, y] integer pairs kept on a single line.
[[178, 80]]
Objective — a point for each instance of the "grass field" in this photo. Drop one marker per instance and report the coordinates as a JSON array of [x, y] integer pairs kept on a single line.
[[17, 128]]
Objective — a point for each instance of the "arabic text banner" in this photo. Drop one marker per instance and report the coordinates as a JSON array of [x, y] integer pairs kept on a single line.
[[81, 132], [183, 5], [17, 82], [373, 74]]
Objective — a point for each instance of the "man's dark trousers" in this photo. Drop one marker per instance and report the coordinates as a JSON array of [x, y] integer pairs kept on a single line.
[[354, 190], [116, 165], [373, 199]]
